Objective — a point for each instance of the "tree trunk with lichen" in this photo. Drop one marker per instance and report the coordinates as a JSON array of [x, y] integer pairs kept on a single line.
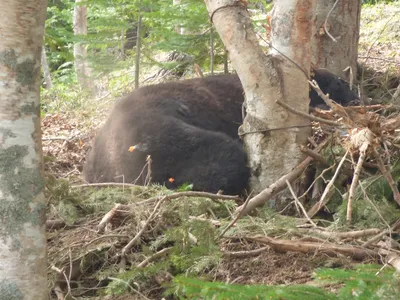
[[82, 68], [335, 36], [272, 135], [22, 203]]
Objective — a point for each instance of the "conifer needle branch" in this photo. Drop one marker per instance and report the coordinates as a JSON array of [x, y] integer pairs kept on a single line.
[[387, 176], [357, 171]]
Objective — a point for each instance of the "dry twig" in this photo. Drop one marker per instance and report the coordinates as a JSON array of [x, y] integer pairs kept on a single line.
[[324, 199], [357, 171], [139, 234]]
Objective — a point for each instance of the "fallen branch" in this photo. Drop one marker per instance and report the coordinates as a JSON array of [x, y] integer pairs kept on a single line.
[[377, 237], [344, 235], [277, 186], [105, 184], [308, 116], [324, 199], [126, 208], [244, 254], [139, 234], [238, 216], [298, 203], [330, 249], [153, 257], [107, 218], [357, 171], [54, 224]]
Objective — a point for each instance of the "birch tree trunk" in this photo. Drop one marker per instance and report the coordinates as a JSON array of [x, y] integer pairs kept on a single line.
[[82, 68], [22, 203], [271, 134], [335, 35], [46, 70]]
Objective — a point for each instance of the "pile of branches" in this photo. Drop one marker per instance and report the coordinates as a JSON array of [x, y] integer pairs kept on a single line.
[[116, 239]]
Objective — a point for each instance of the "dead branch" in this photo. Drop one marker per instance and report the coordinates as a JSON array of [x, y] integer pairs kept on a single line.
[[107, 218], [308, 116], [394, 261], [54, 224], [377, 237], [330, 249], [324, 199], [344, 235], [214, 197], [390, 258], [153, 257], [105, 184], [244, 254], [277, 186], [388, 176], [357, 171], [316, 156], [238, 216], [122, 208], [139, 234], [299, 203]]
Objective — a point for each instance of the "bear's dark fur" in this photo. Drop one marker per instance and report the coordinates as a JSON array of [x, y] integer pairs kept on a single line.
[[190, 130]]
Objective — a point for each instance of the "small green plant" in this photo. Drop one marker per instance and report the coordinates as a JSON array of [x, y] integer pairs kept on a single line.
[[366, 282]]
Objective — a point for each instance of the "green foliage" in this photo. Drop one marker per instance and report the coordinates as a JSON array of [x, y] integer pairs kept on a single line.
[[362, 283], [185, 187], [375, 190], [372, 2], [190, 288], [367, 282], [62, 199]]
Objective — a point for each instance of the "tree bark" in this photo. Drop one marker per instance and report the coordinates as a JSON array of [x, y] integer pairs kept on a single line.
[[82, 68], [335, 46], [22, 203], [46, 70], [138, 46], [271, 134]]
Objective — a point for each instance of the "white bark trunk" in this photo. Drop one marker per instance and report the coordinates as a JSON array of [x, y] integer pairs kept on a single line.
[[46, 70], [22, 203], [343, 24], [82, 68], [272, 145]]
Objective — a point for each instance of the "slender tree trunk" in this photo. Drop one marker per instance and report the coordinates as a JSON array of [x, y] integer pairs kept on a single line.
[[335, 35], [22, 203], [46, 70], [178, 27], [82, 69], [271, 134], [138, 46], [212, 50], [123, 44]]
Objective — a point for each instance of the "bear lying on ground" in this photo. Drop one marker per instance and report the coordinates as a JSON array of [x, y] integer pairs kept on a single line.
[[190, 130]]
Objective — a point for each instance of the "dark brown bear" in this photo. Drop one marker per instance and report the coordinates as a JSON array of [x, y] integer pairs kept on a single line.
[[189, 129]]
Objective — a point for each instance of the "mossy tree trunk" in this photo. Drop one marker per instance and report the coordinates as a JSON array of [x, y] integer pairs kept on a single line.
[[22, 203]]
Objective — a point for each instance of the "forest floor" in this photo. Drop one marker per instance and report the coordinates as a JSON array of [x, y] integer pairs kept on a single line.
[[95, 251]]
